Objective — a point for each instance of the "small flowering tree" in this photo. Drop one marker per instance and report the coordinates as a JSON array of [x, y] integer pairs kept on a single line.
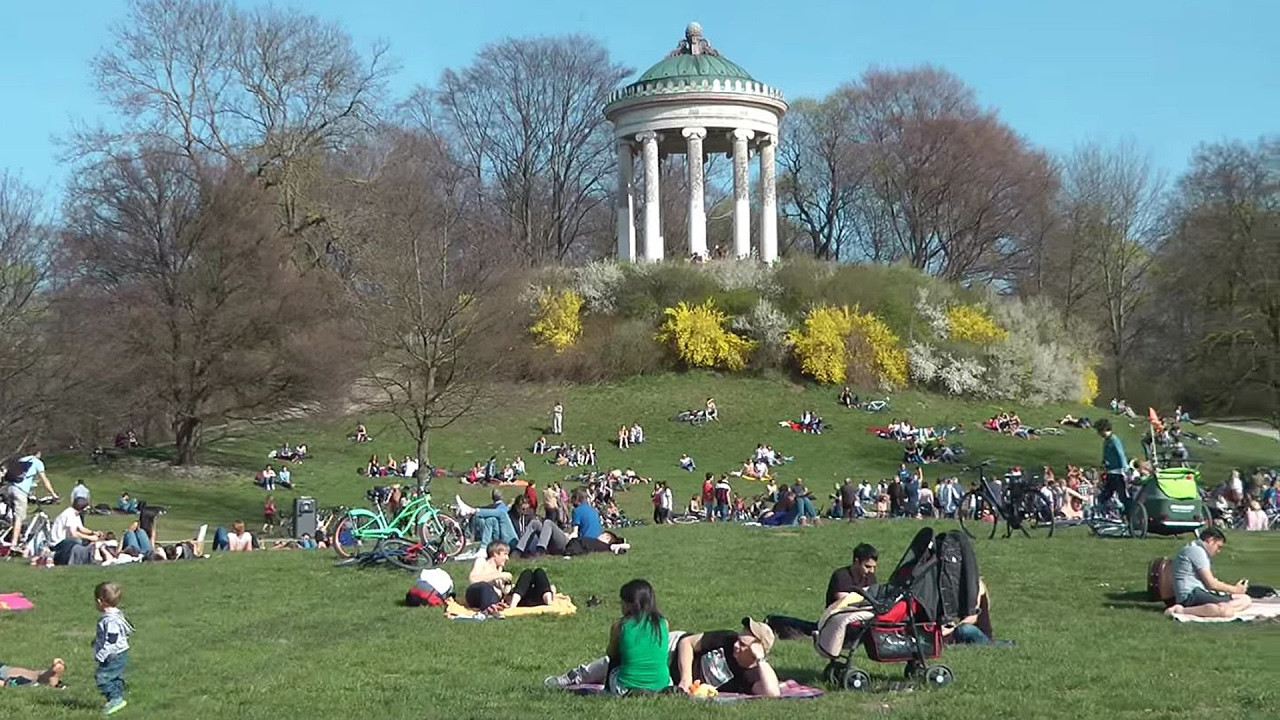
[[557, 320], [700, 337]]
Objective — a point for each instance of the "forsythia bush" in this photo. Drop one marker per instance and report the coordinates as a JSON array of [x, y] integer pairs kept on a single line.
[[701, 339], [1090, 386], [971, 323], [823, 346], [557, 321]]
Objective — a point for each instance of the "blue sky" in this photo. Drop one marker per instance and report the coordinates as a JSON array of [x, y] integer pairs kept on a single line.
[[1165, 74]]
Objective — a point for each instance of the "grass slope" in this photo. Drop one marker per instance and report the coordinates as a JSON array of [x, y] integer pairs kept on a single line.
[[285, 635]]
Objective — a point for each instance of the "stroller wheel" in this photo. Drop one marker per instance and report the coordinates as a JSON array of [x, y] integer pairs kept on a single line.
[[855, 679], [939, 676], [914, 670]]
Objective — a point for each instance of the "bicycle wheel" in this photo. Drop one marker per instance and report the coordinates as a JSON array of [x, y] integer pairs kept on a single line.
[[1137, 521], [970, 514], [443, 533], [1037, 517], [408, 555], [346, 538]]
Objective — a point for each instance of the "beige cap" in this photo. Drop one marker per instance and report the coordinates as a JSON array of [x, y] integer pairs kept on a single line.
[[762, 632]]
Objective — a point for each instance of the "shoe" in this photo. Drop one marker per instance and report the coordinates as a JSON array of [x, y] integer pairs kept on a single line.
[[114, 706], [557, 682]]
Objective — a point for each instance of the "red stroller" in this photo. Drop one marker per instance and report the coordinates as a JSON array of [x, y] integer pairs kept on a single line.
[[900, 621]]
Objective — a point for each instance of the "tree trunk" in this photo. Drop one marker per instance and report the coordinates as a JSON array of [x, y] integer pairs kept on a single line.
[[187, 440], [424, 447]]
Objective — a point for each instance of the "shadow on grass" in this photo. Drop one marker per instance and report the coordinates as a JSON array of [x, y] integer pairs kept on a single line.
[[1132, 600]]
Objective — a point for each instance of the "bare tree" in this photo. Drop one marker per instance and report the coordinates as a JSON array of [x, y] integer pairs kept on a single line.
[[268, 91], [425, 287], [526, 115], [1111, 223], [25, 273], [949, 182], [822, 172], [192, 296], [1221, 271]]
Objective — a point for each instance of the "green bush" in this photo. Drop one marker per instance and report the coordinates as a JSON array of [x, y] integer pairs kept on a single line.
[[649, 289]]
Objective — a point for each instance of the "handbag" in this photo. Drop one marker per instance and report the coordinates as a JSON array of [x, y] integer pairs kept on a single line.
[[714, 668]]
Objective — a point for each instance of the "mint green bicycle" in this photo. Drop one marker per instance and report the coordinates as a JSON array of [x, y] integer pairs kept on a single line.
[[359, 530]]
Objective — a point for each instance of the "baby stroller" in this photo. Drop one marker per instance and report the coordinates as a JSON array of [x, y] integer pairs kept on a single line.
[[900, 621]]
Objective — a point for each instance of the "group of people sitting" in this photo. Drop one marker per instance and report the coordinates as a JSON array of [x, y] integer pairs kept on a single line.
[[376, 468], [1007, 423], [488, 471], [628, 436], [558, 530], [73, 543], [565, 454], [295, 454], [810, 422], [268, 478]]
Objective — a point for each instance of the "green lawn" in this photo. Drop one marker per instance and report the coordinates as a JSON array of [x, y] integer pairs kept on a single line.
[[286, 634]]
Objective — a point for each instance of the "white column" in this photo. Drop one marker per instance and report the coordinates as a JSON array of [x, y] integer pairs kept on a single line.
[[741, 203], [626, 205], [768, 200], [652, 218], [697, 206]]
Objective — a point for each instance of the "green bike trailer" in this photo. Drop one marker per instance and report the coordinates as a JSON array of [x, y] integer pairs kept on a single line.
[[1171, 501]]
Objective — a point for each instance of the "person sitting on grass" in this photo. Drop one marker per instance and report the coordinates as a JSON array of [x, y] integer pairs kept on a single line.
[[13, 676], [636, 434], [745, 654], [126, 504], [239, 540], [491, 590], [847, 398], [856, 577], [362, 434], [638, 642], [1196, 590], [284, 478], [686, 463], [975, 628]]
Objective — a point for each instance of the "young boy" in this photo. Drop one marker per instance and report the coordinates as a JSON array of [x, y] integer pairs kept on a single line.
[[111, 647]]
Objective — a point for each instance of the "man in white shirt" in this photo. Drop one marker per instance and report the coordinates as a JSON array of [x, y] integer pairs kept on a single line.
[[69, 526], [80, 490], [410, 468]]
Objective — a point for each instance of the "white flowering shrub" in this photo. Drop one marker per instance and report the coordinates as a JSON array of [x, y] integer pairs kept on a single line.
[[922, 364], [743, 274], [598, 283], [768, 326], [1041, 361], [935, 316], [933, 368]]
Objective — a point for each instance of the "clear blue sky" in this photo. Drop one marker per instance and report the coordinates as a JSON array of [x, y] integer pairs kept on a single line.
[[1166, 74]]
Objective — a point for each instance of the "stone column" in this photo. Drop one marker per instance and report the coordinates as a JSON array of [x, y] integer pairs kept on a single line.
[[652, 217], [741, 204], [697, 206], [768, 199], [626, 205]]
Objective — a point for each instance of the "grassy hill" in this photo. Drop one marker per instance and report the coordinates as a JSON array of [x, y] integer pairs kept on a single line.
[[286, 634]]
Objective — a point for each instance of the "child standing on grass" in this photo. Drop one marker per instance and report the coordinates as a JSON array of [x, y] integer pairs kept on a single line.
[[269, 513], [111, 647]]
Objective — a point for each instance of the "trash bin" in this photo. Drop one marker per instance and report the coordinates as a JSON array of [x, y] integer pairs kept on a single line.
[[304, 517]]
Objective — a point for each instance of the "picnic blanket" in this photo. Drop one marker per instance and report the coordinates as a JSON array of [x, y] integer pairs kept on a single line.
[[14, 601], [561, 605], [1264, 609], [791, 690]]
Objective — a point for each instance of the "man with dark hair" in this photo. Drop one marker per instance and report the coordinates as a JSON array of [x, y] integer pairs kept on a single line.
[[857, 577], [1195, 589], [1114, 467]]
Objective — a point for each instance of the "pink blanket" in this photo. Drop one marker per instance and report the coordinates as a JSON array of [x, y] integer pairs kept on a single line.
[[14, 601]]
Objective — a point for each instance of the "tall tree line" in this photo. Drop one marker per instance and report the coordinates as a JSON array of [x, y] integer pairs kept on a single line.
[[263, 226]]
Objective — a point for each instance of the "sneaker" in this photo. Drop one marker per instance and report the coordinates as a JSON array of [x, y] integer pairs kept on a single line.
[[114, 706], [557, 682]]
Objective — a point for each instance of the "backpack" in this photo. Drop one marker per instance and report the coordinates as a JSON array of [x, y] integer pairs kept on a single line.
[[957, 575], [1160, 579], [432, 589], [15, 469]]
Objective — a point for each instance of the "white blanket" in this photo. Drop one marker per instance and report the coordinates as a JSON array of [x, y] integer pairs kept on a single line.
[[1266, 608]]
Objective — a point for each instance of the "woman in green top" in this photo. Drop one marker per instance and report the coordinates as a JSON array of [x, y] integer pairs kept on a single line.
[[638, 642]]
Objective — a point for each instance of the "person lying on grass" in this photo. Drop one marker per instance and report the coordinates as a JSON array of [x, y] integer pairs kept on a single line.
[[734, 661], [1196, 590], [491, 590], [11, 676]]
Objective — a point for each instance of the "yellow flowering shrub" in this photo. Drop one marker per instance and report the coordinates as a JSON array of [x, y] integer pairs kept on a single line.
[[819, 343], [557, 321], [1090, 386], [831, 340], [972, 323], [701, 338]]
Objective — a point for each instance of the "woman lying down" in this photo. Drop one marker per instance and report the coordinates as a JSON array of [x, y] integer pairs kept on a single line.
[[644, 655]]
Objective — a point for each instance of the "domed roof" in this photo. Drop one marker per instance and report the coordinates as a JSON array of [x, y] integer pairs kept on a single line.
[[694, 58]]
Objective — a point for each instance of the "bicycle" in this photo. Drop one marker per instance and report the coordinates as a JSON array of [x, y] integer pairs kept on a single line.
[[693, 417], [1111, 520], [35, 534], [876, 406], [416, 517], [1020, 505]]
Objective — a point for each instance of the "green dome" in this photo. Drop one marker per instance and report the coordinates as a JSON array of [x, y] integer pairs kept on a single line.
[[695, 66]]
